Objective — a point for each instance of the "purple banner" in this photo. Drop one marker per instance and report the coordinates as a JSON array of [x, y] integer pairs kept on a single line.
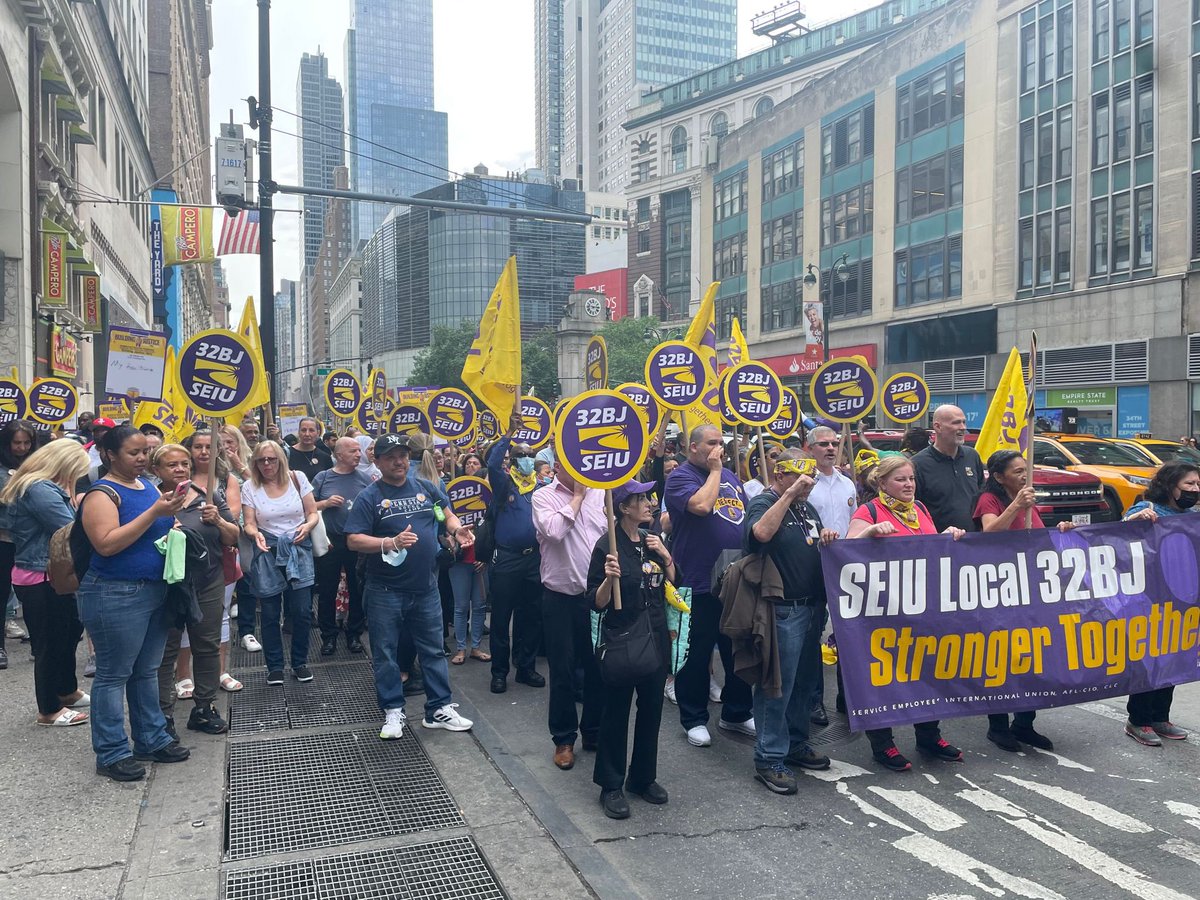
[[928, 628]]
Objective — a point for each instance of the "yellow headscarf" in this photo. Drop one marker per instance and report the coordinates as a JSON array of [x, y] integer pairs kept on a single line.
[[804, 466], [865, 460]]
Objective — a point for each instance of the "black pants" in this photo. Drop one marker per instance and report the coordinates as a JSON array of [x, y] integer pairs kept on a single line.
[[927, 735], [54, 633], [204, 639], [999, 721], [610, 770], [8, 552], [247, 605], [1145, 708], [329, 574], [446, 594], [516, 591], [567, 626], [691, 682]]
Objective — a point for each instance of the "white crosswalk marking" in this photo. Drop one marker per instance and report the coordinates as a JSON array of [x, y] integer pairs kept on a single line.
[[925, 811], [1183, 849], [969, 869], [1189, 812], [1105, 815]]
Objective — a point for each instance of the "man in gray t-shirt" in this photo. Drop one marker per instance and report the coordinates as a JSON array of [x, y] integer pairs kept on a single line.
[[334, 490]]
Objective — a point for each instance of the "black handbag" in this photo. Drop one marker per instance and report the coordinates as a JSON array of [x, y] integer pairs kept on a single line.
[[628, 653]]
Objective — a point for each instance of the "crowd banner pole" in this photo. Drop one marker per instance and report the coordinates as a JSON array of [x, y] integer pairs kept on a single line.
[[612, 544], [763, 475], [1030, 414], [214, 447]]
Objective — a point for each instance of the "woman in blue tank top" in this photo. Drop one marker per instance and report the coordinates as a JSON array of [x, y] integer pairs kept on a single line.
[[122, 604]]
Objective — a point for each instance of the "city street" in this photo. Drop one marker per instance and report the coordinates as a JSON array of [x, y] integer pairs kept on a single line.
[[302, 800]]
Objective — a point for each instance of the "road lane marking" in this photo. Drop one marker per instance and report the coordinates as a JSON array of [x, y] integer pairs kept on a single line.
[[955, 862], [837, 771], [1063, 761], [1190, 813], [1183, 849], [921, 808], [1105, 815]]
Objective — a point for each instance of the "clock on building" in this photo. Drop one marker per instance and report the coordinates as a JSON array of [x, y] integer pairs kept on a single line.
[[593, 307]]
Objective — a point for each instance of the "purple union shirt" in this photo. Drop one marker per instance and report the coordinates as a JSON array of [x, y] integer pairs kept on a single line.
[[697, 541]]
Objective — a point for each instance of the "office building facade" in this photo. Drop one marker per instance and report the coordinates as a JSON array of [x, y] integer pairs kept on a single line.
[[335, 248], [548, 84], [321, 146]]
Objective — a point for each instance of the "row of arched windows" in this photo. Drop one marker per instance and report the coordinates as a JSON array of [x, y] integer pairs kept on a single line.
[[718, 126]]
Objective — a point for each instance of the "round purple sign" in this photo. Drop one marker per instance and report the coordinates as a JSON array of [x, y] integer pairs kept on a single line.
[[343, 393], [904, 397], [843, 390], [489, 428], [469, 498], [537, 423], [676, 373], [14, 404], [218, 371], [451, 413], [53, 401], [753, 393], [365, 420], [409, 418], [785, 424], [640, 394], [601, 438]]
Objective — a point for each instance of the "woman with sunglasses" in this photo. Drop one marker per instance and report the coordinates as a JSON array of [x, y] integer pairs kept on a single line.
[[280, 514]]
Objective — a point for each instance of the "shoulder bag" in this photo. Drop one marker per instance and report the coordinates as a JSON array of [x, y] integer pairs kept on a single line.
[[318, 536]]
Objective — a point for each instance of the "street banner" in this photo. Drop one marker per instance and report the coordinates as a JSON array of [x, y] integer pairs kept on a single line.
[[676, 374], [343, 393], [596, 365], [640, 394], [1006, 425], [753, 393], [186, 235], [64, 353], [904, 397], [54, 267], [14, 403], [53, 401], [89, 286], [600, 438], [409, 418], [469, 498], [785, 424], [136, 363], [931, 628], [814, 330], [290, 415], [537, 423], [843, 390], [489, 428], [218, 372], [451, 413], [492, 369], [376, 390]]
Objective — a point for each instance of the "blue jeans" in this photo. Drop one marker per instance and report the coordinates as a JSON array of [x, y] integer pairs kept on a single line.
[[127, 621], [419, 615], [247, 608], [299, 611], [782, 722], [468, 602]]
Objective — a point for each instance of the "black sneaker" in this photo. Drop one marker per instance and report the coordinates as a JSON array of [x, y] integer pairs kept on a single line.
[[818, 716], [354, 644], [302, 673], [651, 793], [531, 678], [807, 758], [329, 646], [275, 676], [615, 805], [1026, 735], [126, 769], [206, 719], [892, 758], [499, 684], [777, 778], [172, 753], [942, 749], [3, 658], [1003, 739], [171, 729]]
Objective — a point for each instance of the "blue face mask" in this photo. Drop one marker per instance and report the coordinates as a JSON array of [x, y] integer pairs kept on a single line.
[[525, 465]]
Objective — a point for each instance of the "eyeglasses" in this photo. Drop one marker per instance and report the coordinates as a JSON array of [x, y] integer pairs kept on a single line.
[[268, 459], [825, 444]]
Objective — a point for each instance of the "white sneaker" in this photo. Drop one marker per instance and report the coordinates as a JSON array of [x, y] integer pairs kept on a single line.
[[699, 736], [448, 718], [714, 690], [250, 642], [393, 728], [669, 691], [747, 728], [13, 629]]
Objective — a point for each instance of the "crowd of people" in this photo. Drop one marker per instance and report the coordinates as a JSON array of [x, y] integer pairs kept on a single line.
[[182, 553]]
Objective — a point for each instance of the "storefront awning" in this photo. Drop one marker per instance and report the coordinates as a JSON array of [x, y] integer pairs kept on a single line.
[[52, 77], [80, 135], [68, 110]]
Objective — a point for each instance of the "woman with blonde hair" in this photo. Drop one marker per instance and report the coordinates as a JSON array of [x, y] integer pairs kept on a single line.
[[38, 498], [236, 452], [280, 514]]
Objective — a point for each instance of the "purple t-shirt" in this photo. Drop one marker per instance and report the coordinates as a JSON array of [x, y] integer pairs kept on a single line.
[[697, 541]]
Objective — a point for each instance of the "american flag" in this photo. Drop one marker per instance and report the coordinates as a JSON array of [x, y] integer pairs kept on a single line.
[[239, 234]]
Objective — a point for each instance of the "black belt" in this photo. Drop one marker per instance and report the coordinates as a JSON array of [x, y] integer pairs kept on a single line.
[[799, 601], [524, 552]]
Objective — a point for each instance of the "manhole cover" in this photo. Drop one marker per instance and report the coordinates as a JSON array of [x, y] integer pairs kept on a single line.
[[441, 869], [295, 793], [339, 694]]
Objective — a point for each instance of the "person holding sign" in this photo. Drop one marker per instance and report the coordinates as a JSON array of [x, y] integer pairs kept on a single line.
[[642, 566], [896, 512]]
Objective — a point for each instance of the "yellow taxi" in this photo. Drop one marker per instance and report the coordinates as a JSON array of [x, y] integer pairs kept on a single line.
[[1165, 451], [1125, 471]]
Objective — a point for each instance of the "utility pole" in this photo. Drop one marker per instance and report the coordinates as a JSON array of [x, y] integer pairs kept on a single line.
[[266, 190]]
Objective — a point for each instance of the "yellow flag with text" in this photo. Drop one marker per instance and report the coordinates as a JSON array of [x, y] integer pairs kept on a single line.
[[261, 395], [1006, 426], [702, 337], [492, 369], [739, 350], [187, 235]]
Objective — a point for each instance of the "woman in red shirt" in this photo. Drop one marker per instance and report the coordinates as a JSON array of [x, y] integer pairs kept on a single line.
[[895, 512]]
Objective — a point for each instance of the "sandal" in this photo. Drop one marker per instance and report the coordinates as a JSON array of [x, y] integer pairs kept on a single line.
[[481, 655], [65, 718], [458, 658], [184, 689], [229, 683]]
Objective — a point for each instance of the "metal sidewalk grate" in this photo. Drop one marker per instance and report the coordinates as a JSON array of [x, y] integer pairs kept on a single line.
[[836, 732], [240, 657], [296, 793], [339, 694], [453, 869]]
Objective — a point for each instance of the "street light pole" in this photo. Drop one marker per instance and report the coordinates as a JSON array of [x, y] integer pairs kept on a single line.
[[266, 187]]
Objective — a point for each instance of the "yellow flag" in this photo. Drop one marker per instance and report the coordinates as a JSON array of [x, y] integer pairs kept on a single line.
[[702, 336], [186, 235], [1007, 424], [492, 370], [261, 395], [739, 351]]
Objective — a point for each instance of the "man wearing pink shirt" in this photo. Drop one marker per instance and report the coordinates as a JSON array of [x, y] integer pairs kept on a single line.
[[569, 518]]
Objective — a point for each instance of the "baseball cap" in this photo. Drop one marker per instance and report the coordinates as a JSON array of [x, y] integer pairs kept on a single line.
[[389, 442], [101, 422], [631, 489]]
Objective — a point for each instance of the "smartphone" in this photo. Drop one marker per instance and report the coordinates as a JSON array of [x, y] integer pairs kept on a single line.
[[182, 488]]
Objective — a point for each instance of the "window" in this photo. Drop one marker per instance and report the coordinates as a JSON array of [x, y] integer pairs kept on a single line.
[[958, 88], [718, 125], [848, 214], [783, 171], [595, 231], [1066, 42], [1100, 131], [641, 171], [1025, 254], [1044, 244], [1145, 115], [1045, 157], [1122, 121], [780, 306], [783, 238], [848, 140], [763, 107], [1029, 57], [727, 309], [1066, 138], [643, 240], [930, 186], [677, 270], [1062, 245], [1048, 72], [679, 235], [1100, 237], [1120, 233], [1100, 43], [1026, 154], [729, 257], [643, 209], [1120, 25], [929, 272], [851, 297], [679, 149], [1145, 20], [729, 196], [1143, 241]]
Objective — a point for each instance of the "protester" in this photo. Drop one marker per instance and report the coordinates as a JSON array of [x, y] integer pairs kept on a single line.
[[396, 521], [18, 439], [949, 473], [1005, 503], [864, 464], [237, 452], [896, 513], [249, 429], [328, 439], [516, 588], [99, 427], [335, 491], [122, 602], [237, 455], [1174, 490], [207, 514], [38, 500], [472, 464], [280, 515], [307, 455], [783, 523], [569, 517], [641, 566], [708, 509], [468, 581]]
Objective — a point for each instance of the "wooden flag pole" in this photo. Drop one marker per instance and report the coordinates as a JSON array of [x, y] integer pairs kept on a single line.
[[213, 449], [763, 475], [612, 545], [1030, 415], [843, 444]]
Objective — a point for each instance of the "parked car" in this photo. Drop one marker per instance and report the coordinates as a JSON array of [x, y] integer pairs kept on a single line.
[[1126, 473], [1166, 451]]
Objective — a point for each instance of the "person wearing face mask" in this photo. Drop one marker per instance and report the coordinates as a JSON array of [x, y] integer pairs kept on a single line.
[[1173, 491]]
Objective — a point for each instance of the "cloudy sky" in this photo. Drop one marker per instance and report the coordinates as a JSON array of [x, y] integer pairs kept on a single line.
[[491, 117]]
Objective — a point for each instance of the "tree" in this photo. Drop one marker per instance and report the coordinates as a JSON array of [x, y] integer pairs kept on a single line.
[[628, 347], [440, 364], [539, 365]]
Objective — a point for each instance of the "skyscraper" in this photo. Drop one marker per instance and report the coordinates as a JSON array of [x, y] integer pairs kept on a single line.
[[615, 49], [548, 84], [399, 143], [321, 144]]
